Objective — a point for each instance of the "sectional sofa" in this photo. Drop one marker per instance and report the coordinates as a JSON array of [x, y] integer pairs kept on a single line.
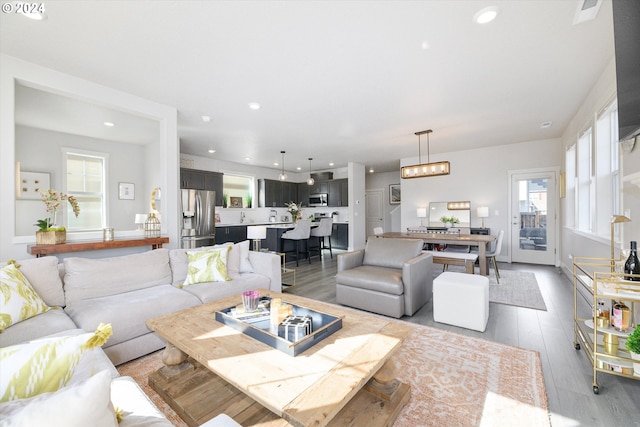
[[126, 291]]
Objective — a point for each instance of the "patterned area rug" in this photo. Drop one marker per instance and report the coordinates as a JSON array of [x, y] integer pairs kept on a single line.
[[518, 288], [455, 381]]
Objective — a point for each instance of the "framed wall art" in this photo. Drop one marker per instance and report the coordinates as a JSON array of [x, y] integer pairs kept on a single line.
[[235, 202], [126, 191], [31, 184], [394, 194]]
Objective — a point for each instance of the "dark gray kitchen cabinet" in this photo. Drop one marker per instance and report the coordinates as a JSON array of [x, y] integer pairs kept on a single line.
[[203, 180], [303, 193], [276, 194], [340, 236], [338, 192], [234, 233]]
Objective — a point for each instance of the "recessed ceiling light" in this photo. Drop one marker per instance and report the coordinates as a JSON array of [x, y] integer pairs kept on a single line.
[[109, 124], [486, 15], [211, 151], [254, 105], [247, 159], [545, 125], [425, 45], [371, 170], [330, 163], [275, 163], [206, 119], [298, 168]]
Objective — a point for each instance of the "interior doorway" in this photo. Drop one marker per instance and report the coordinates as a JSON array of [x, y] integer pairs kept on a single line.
[[374, 210], [533, 214]]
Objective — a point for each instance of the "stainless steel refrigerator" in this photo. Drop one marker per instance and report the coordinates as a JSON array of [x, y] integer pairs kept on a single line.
[[198, 218]]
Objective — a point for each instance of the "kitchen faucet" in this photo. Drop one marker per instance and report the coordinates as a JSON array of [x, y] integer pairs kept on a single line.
[[241, 217]]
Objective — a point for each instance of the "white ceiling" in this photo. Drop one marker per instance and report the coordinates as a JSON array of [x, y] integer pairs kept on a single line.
[[337, 81]]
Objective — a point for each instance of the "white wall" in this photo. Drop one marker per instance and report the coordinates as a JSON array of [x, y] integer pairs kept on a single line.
[[165, 155], [576, 243], [40, 150], [481, 177]]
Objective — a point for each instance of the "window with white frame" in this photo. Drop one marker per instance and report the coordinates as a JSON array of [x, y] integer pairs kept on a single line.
[[583, 178], [594, 162], [85, 179], [570, 182]]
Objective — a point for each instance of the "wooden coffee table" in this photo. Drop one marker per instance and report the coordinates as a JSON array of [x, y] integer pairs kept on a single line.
[[348, 378]]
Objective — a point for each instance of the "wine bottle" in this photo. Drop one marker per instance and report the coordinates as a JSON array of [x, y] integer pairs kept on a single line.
[[632, 266]]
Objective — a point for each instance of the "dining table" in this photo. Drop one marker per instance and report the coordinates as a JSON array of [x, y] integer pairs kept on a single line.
[[483, 242]]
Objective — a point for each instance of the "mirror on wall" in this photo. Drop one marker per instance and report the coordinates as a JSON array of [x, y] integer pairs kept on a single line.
[[49, 125], [460, 210]]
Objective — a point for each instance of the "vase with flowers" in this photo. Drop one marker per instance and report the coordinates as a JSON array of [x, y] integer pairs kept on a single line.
[[48, 230], [295, 209]]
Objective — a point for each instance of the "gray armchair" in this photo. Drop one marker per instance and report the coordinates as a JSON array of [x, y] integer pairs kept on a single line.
[[390, 277]]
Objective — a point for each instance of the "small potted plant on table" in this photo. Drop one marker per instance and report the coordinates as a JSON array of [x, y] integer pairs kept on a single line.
[[633, 345], [49, 232]]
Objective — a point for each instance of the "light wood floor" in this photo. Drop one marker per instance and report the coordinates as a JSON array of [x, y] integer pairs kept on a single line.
[[567, 373]]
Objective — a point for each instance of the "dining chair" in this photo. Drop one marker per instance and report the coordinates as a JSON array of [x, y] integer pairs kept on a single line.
[[496, 252], [323, 231], [459, 248], [465, 249], [300, 234]]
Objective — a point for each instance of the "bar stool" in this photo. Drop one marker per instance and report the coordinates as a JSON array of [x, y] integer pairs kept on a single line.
[[323, 230], [301, 233]]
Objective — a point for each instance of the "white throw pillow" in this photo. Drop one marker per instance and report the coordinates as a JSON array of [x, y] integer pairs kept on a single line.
[[18, 300], [245, 264], [87, 403], [207, 266], [44, 365]]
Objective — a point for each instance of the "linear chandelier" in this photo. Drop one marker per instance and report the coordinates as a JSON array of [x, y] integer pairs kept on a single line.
[[425, 169]]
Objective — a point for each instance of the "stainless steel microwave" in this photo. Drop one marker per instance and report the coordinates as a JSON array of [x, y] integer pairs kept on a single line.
[[320, 199]]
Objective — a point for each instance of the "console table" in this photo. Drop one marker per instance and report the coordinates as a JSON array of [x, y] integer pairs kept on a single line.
[[94, 245]]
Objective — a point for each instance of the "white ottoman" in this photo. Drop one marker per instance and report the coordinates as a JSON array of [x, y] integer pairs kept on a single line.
[[461, 299]]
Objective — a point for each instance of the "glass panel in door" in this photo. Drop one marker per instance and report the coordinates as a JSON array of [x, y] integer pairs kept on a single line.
[[533, 219]]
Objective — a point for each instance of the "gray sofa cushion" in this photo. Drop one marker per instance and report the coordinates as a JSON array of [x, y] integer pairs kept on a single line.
[[128, 311], [391, 253], [43, 275], [50, 322], [379, 279], [92, 278]]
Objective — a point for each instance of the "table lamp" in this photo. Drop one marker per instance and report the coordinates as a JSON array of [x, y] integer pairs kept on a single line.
[[421, 213], [482, 212], [140, 220], [615, 219], [256, 233]]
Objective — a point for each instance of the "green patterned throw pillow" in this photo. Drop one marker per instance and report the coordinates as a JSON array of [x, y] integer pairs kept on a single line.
[[18, 300], [44, 365], [207, 266]]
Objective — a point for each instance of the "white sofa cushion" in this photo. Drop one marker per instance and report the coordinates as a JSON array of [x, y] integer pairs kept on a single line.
[[211, 291], [87, 403], [128, 311], [43, 275], [93, 278], [54, 320], [137, 409]]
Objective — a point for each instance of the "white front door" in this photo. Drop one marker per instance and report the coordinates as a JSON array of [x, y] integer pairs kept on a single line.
[[533, 217], [374, 210]]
